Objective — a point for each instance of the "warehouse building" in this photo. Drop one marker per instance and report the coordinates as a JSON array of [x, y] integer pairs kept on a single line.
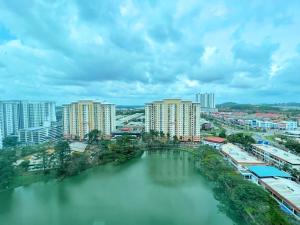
[[286, 193], [276, 156], [215, 142], [239, 158]]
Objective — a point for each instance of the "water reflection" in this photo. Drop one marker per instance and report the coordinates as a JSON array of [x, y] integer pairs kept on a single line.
[[6, 201], [176, 167], [161, 188]]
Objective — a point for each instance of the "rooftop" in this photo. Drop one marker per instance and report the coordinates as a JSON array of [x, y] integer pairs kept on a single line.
[[287, 189], [284, 155], [215, 139], [78, 146], [268, 171], [239, 155]]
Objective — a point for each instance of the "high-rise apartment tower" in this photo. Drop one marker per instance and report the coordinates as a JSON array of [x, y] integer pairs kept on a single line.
[[174, 117], [79, 118]]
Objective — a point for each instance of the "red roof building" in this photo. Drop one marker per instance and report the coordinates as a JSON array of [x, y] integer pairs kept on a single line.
[[217, 140]]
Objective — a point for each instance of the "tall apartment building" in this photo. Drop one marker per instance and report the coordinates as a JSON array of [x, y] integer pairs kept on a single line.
[[207, 101], [37, 135], [174, 117], [79, 118], [16, 115]]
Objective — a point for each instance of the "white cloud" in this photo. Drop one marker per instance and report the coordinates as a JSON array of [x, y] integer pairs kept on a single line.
[[141, 50]]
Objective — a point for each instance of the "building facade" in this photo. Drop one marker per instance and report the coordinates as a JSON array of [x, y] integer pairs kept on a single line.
[[275, 156], [17, 115], [79, 118], [174, 117], [37, 135], [207, 100]]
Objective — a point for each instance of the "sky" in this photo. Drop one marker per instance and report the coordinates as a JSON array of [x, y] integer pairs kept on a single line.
[[130, 52]]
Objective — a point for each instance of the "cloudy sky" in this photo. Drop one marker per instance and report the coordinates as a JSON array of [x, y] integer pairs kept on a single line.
[[131, 52]]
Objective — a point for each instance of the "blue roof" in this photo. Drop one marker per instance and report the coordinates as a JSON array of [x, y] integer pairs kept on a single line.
[[268, 171]]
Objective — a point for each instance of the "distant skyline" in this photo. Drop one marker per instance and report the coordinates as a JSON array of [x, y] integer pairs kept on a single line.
[[132, 52]]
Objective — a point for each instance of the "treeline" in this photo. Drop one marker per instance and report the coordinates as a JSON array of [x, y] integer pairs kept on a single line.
[[293, 145], [159, 140], [100, 151], [6, 168], [231, 106], [62, 162], [241, 138], [243, 201]]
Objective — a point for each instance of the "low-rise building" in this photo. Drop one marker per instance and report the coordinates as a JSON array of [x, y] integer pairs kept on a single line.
[[276, 156], [238, 157], [286, 193], [292, 133], [215, 142], [34, 135], [38, 135], [259, 172], [288, 125]]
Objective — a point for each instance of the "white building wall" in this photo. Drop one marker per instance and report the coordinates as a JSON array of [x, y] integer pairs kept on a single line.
[[82, 117], [173, 116]]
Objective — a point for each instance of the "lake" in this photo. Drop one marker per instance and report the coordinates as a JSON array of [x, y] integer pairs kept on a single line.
[[161, 188]]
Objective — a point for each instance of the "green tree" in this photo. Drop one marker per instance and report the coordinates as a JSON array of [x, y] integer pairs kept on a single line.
[[63, 150], [293, 145], [6, 167], [161, 134], [93, 136], [168, 136], [241, 138], [10, 141], [222, 134], [24, 165], [175, 140]]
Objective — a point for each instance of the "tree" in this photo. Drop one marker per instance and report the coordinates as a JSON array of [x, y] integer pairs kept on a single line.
[[93, 136], [222, 134], [175, 140], [168, 136], [241, 138], [78, 163], [292, 145], [10, 141], [44, 157], [161, 134], [63, 150], [6, 167], [25, 165]]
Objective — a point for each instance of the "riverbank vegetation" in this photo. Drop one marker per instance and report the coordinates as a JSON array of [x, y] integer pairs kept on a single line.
[[58, 161], [241, 138], [242, 200]]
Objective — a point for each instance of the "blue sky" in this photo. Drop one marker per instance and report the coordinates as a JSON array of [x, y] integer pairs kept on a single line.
[[131, 52]]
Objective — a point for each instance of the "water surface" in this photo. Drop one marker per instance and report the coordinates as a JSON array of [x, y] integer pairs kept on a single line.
[[158, 189]]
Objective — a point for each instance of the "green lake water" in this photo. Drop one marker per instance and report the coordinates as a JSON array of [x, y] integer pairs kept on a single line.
[[158, 189]]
